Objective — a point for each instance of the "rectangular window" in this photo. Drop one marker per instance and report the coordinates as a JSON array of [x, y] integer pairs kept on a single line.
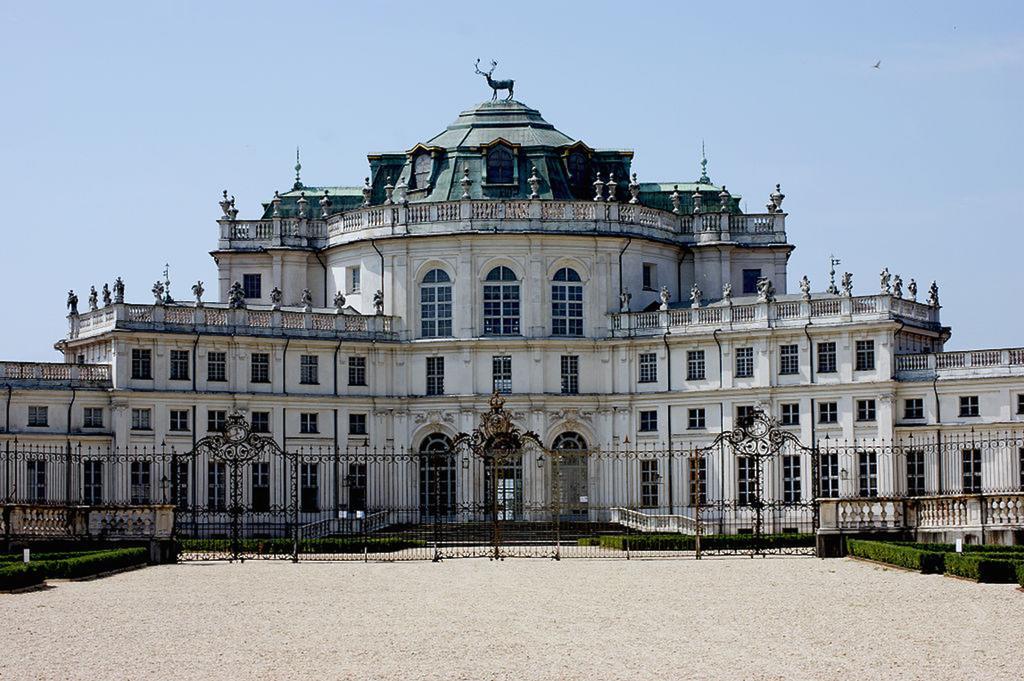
[[501, 374], [252, 285], [36, 482], [648, 367], [141, 478], [309, 423], [216, 485], [92, 482], [179, 365], [92, 417], [867, 477], [1020, 404], [179, 419], [969, 406], [745, 482], [435, 375], [828, 412], [650, 276], [828, 471], [696, 419], [259, 367], [142, 364], [357, 371], [744, 362], [309, 369], [260, 487], [864, 359], [357, 424], [789, 360], [750, 278], [865, 410], [649, 421], [354, 278], [744, 414], [216, 367], [1020, 456], [913, 409], [972, 470], [142, 419], [570, 368], [695, 370], [915, 473], [791, 414], [309, 478], [179, 485], [356, 482], [216, 419], [791, 490], [38, 417], [261, 422], [698, 475], [827, 358], [650, 482]]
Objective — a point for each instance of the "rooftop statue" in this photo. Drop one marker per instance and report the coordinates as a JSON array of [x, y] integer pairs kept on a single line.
[[897, 286], [197, 291], [276, 297], [912, 290], [158, 292], [765, 290], [847, 284], [805, 287], [496, 84], [307, 300], [339, 301], [727, 292], [933, 295], [378, 302], [106, 296], [624, 299], [72, 303], [119, 290], [94, 299], [884, 281], [236, 296], [664, 295], [695, 295]]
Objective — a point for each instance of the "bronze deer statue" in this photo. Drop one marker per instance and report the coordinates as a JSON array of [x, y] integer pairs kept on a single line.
[[496, 84]]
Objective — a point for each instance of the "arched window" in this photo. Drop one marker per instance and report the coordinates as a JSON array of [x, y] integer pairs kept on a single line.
[[573, 472], [436, 305], [571, 441], [437, 476], [501, 303], [499, 166], [578, 177], [567, 303], [421, 168]]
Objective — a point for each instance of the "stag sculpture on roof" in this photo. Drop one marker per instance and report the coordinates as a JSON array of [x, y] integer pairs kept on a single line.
[[496, 84]]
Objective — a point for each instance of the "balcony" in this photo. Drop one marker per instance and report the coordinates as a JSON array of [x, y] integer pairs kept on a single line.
[[961, 364], [55, 374], [218, 318]]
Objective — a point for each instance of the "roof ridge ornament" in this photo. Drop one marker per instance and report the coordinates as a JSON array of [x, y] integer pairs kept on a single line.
[[496, 85], [298, 169], [703, 179]]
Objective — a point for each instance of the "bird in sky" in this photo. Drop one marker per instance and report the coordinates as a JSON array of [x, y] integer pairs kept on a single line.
[[878, 64]]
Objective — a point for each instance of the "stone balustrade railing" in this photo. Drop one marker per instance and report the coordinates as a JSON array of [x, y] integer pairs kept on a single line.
[[649, 522], [218, 317], [503, 215], [776, 314], [961, 361], [37, 521], [55, 374]]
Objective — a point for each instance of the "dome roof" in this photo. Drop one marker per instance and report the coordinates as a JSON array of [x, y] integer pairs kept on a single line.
[[506, 119]]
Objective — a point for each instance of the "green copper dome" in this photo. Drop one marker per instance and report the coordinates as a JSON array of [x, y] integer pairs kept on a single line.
[[509, 120]]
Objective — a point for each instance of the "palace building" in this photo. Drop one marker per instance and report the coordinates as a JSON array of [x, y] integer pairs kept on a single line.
[[625, 323]]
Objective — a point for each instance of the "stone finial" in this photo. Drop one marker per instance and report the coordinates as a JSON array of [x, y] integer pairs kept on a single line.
[[847, 284], [107, 300], [534, 182], [776, 197], [198, 291], [72, 303], [225, 205], [367, 192], [912, 290], [664, 295], [119, 290], [158, 292], [465, 182], [695, 296], [378, 302], [805, 288], [634, 190], [94, 299], [339, 301], [612, 187], [275, 205], [403, 191], [276, 297], [301, 204], [676, 200], [325, 206], [624, 298], [598, 187], [765, 290], [933, 295], [884, 281], [897, 286], [724, 200], [236, 296], [696, 198], [727, 292], [306, 300]]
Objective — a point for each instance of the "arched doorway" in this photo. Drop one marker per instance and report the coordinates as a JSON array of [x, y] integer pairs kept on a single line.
[[574, 492], [437, 477]]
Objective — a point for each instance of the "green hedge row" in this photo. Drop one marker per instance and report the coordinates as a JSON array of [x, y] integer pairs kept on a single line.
[[273, 547], [993, 568], [19, 575], [687, 542], [901, 555], [1020, 575], [967, 548]]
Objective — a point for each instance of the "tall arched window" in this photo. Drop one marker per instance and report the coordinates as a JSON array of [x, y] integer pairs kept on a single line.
[[436, 305], [437, 476], [499, 166], [422, 165], [567, 303], [573, 471], [501, 302]]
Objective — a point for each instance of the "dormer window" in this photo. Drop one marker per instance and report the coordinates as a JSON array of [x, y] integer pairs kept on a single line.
[[500, 166], [576, 164], [421, 168]]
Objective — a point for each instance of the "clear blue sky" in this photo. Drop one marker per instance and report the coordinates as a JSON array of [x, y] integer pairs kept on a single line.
[[122, 122]]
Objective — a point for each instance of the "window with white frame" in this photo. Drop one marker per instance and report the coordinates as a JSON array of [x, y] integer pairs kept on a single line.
[[695, 368], [791, 489], [1020, 404], [92, 417], [92, 482], [36, 479], [216, 485], [864, 356], [696, 418], [567, 303], [745, 480], [915, 473], [357, 370], [865, 410], [867, 473], [216, 420], [650, 276], [648, 367], [969, 406], [38, 416], [435, 375], [309, 482], [179, 365], [501, 374], [501, 302], [698, 479], [790, 414], [570, 374], [355, 277], [259, 365], [357, 424], [744, 414], [650, 483], [178, 419], [436, 305], [649, 421], [216, 366], [422, 166], [260, 421], [827, 357], [828, 472], [789, 359], [309, 369], [309, 422], [913, 409], [828, 412], [142, 419], [142, 364], [252, 285], [744, 362], [140, 473], [971, 460]]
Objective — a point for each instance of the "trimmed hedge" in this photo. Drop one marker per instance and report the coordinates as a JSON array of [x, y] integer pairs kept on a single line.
[[992, 568], [967, 548], [687, 542], [1020, 575], [19, 575], [277, 547], [927, 562]]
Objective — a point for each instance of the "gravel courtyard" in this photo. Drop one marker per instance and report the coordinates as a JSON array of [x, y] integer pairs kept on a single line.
[[536, 619]]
